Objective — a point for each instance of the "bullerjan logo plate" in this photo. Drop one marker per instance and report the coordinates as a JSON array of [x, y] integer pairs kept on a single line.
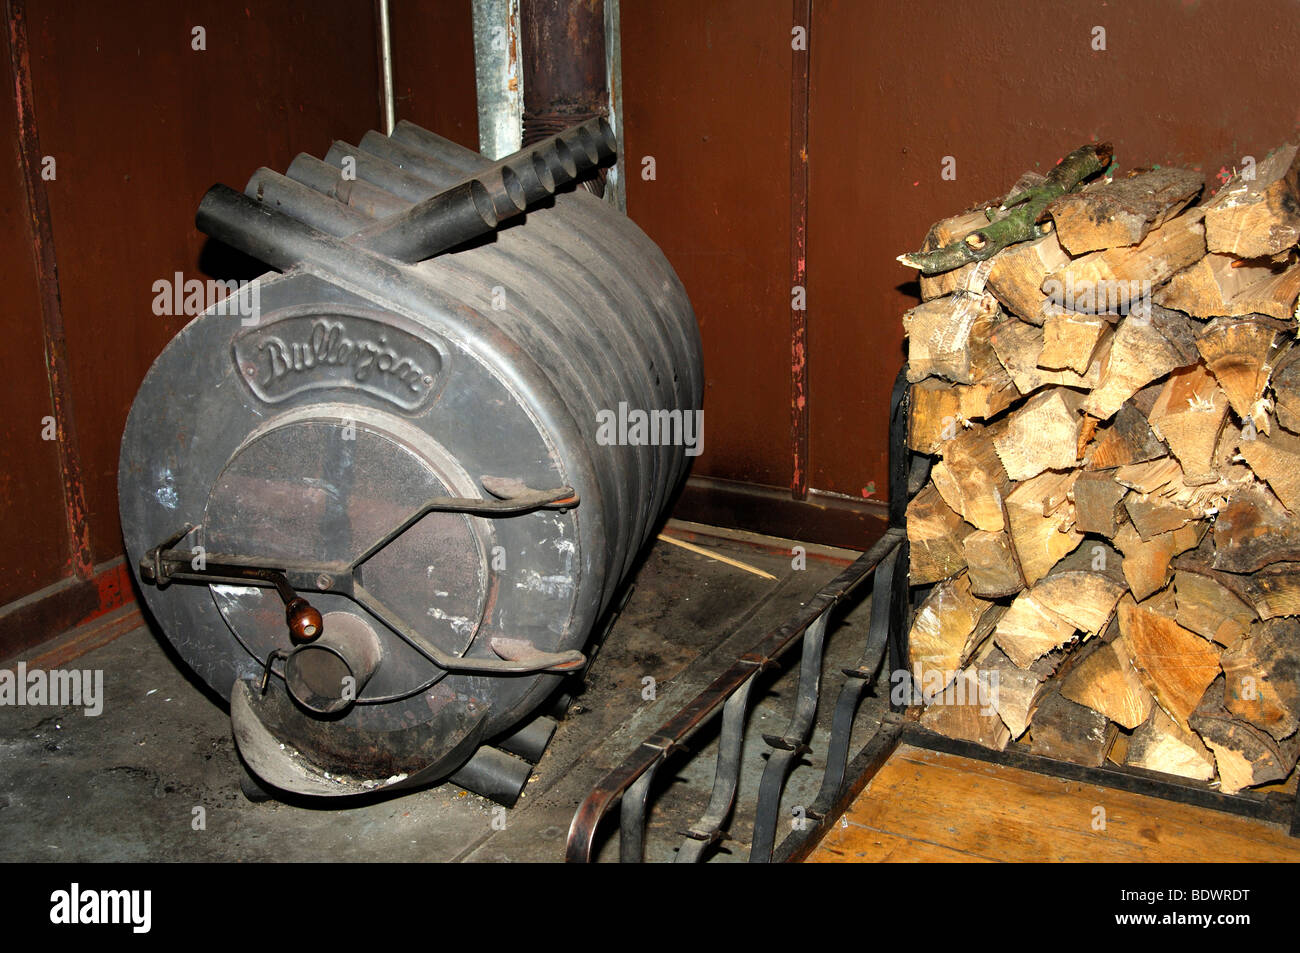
[[308, 351]]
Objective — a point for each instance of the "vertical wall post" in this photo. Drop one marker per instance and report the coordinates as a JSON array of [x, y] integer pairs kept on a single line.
[[800, 46]]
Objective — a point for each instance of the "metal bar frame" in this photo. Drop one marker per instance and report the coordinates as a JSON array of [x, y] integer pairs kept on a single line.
[[728, 696]]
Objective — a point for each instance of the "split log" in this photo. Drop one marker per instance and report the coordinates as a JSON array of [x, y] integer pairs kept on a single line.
[[1028, 630], [966, 715], [940, 407], [1150, 476], [1097, 498], [971, 478], [1262, 678], [991, 564], [1067, 731], [1271, 592], [1188, 416], [1146, 562], [1043, 434], [1139, 354], [1253, 530], [1161, 603], [1015, 689], [1019, 272], [1286, 389], [944, 336], [1239, 355], [1040, 522], [1276, 459], [1127, 439], [935, 534], [1018, 344], [1211, 610], [1175, 665], [1251, 219], [1070, 341], [934, 415], [1154, 517], [1083, 588], [1159, 744], [1274, 296], [1078, 595], [1243, 755], [1226, 286], [1107, 682], [1138, 269], [1122, 212], [942, 630]]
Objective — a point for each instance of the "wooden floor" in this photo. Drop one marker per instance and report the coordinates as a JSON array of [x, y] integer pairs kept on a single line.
[[930, 806]]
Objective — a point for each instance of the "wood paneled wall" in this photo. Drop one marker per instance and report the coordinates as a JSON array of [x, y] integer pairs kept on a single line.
[[140, 124]]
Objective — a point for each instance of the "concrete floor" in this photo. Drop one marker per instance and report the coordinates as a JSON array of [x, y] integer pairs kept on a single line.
[[128, 785]]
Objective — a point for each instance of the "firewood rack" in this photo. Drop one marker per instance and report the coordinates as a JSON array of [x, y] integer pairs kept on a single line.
[[885, 564]]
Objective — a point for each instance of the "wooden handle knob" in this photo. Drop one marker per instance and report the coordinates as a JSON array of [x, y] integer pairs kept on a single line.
[[305, 623]]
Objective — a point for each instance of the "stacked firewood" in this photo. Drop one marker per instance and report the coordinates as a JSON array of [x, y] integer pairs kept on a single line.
[[1108, 543]]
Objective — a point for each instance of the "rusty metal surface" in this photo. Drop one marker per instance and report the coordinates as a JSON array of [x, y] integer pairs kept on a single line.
[[497, 77], [564, 68]]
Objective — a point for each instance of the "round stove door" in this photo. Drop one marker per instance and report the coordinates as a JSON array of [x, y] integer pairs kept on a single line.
[[323, 490]]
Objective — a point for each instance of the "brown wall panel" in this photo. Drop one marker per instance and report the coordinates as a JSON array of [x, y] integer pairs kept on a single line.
[[433, 67], [1002, 86], [33, 525], [141, 125], [706, 92]]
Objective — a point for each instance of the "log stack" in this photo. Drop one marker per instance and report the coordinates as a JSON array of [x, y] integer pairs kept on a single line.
[[1107, 549]]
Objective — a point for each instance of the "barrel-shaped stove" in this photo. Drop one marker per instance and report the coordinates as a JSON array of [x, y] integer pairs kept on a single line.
[[374, 500]]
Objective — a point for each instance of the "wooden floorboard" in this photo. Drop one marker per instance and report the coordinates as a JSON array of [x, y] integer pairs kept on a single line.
[[928, 806]]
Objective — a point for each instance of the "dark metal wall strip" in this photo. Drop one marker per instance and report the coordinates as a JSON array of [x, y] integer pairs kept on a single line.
[[799, 95], [38, 208]]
